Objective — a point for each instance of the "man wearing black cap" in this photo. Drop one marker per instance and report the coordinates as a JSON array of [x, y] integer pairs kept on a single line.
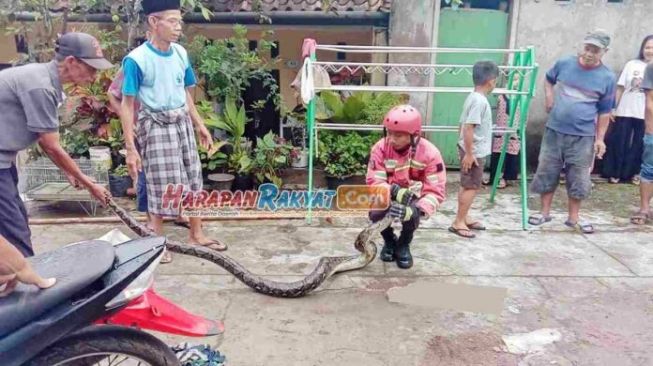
[[160, 75], [30, 96]]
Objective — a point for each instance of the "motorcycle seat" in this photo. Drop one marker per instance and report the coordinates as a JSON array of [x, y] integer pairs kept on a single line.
[[75, 267]]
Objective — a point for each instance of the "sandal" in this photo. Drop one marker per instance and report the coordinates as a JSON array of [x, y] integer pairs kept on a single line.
[[166, 258], [476, 226], [214, 245], [539, 219], [502, 184], [613, 180], [582, 226], [640, 218], [636, 180], [461, 232]]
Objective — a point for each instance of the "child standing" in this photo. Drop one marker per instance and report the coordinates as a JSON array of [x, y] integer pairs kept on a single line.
[[405, 162], [474, 145]]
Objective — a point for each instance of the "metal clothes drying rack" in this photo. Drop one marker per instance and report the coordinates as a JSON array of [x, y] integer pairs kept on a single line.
[[521, 63]]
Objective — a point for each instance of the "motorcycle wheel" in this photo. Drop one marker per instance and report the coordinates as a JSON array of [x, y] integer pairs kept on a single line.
[[107, 345]]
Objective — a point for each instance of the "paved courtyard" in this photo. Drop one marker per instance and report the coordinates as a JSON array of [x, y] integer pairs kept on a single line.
[[570, 299]]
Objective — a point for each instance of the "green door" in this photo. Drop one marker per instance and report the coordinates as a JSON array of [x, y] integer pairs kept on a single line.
[[468, 28]]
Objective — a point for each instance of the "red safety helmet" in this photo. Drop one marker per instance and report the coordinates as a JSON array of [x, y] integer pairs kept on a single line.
[[403, 118]]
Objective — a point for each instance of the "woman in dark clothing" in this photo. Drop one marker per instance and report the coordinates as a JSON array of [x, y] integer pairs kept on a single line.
[[624, 140]]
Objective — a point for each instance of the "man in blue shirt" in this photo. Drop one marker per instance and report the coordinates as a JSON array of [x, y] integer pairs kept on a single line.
[[160, 75], [584, 92]]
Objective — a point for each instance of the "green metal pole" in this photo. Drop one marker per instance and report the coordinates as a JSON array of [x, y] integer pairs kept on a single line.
[[310, 120], [497, 176], [522, 136]]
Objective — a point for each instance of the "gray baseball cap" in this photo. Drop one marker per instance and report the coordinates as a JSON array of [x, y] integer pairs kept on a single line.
[[598, 38], [84, 47]]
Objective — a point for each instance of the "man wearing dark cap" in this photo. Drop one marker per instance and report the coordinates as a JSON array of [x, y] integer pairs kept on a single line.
[[579, 113], [30, 96], [159, 74]]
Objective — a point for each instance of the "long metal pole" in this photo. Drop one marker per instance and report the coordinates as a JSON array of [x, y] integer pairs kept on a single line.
[[522, 137], [310, 120]]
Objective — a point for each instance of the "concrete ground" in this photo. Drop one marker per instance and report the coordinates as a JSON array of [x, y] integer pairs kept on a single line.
[[572, 299]]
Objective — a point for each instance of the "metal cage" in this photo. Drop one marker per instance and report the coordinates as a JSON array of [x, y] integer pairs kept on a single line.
[[44, 181]]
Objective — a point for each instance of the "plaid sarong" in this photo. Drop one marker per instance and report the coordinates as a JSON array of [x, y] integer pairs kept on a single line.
[[169, 155]]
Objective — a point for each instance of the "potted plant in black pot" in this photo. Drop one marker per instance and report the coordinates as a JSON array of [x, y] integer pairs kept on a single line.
[[238, 160], [345, 156], [270, 156], [240, 165], [119, 181]]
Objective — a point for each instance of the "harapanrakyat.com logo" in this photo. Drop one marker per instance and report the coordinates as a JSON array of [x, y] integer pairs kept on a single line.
[[269, 198]]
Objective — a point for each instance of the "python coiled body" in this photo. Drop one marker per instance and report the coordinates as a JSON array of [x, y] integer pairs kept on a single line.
[[326, 267]]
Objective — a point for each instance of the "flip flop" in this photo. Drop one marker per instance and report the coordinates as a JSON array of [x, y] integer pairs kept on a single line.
[[459, 232], [185, 224], [582, 226], [640, 218], [538, 219], [167, 257], [214, 245], [476, 226]]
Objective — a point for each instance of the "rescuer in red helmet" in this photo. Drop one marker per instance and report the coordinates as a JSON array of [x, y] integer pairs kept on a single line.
[[413, 169]]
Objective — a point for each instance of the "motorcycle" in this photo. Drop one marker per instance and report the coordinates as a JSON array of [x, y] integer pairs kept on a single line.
[[97, 311]]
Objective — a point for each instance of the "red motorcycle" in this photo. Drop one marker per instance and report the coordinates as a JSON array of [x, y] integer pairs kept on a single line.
[[95, 313]]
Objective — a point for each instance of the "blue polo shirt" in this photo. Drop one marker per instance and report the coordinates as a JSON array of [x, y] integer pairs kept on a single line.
[[581, 95]]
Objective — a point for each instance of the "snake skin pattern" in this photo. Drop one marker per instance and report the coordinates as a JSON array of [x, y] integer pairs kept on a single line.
[[326, 267]]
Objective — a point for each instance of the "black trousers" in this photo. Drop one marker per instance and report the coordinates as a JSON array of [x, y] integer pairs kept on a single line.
[[510, 166], [13, 215], [624, 148]]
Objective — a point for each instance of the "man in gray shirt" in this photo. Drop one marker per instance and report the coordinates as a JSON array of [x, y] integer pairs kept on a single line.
[[30, 96]]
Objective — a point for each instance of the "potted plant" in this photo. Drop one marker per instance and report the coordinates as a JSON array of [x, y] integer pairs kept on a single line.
[[227, 66], [270, 155], [299, 157], [345, 156], [119, 181], [238, 162], [76, 143], [113, 139]]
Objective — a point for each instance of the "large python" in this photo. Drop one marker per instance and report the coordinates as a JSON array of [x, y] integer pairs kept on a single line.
[[326, 267]]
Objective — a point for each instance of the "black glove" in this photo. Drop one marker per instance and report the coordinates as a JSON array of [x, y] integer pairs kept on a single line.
[[401, 195], [404, 212]]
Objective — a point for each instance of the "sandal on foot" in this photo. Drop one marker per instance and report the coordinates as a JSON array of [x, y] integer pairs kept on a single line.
[[582, 226], [166, 258], [613, 180], [465, 233], [636, 180], [640, 218], [214, 245], [476, 226], [538, 219]]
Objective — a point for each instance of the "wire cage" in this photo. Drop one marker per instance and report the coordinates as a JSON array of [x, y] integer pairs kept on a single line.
[[44, 181]]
